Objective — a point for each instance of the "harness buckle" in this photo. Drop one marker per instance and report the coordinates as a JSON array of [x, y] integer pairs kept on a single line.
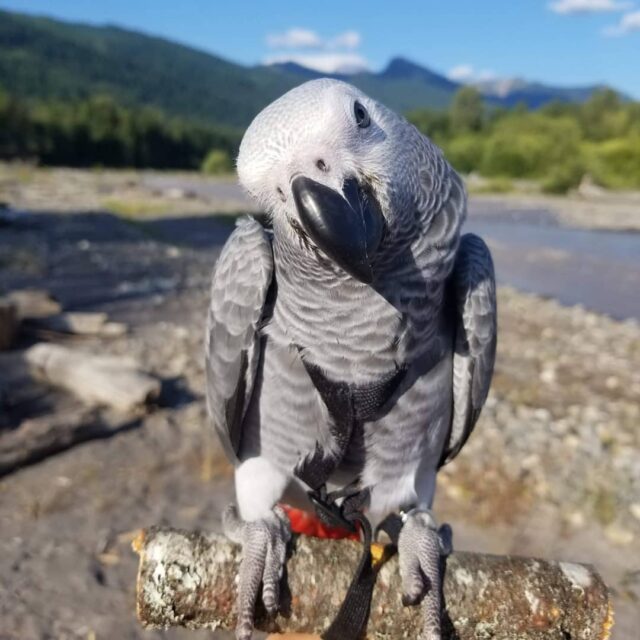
[[329, 511]]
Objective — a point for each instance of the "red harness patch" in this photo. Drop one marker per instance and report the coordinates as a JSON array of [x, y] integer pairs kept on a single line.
[[308, 524]]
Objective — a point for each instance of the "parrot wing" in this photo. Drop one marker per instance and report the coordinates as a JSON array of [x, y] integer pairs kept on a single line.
[[474, 295], [240, 289]]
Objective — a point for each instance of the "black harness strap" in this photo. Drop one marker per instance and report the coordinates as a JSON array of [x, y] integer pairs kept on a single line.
[[348, 406], [391, 525], [353, 615]]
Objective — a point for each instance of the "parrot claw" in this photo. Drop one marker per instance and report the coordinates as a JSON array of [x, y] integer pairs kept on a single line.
[[421, 545], [264, 547]]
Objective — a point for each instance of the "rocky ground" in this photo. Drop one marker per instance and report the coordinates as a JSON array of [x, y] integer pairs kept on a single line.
[[553, 468], [128, 193]]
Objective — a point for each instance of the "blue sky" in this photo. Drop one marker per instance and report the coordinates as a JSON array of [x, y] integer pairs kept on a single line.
[[564, 42]]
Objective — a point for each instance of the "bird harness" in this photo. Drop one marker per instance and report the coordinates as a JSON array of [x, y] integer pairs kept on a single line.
[[348, 405]]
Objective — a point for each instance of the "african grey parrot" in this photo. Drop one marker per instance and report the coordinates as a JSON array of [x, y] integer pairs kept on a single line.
[[359, 297]]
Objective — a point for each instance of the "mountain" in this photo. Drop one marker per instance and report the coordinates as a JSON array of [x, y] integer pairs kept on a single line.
[[402, 85], [512, 91], [50, 59], [405, 85]]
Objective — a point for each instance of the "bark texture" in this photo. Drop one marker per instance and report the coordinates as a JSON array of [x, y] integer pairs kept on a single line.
[[96, 380], [188, 579]]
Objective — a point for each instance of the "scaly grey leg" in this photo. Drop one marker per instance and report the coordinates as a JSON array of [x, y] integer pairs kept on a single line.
[[420, 547], [264, 547]]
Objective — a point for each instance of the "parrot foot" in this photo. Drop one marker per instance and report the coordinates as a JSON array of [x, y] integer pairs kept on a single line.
[[264, 547], [421, 545]]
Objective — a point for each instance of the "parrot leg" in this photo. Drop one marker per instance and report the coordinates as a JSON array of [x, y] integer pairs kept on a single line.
[[264, 546], [421, 545]]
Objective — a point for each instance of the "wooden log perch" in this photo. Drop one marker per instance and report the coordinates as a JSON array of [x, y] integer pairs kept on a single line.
[[188, 579], [96, 380]]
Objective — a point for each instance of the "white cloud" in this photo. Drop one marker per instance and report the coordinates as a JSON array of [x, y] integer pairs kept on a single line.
[[461, 73], [345, 40], [587, 6], [328, 55], [297, 38], [324, 62], [628, 23], [466, 73]]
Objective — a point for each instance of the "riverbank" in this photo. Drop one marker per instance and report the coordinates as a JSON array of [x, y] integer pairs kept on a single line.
[[148, 193], [552, 468]]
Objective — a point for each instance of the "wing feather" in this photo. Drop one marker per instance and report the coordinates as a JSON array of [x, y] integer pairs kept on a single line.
[[474, 295], [239, 302]]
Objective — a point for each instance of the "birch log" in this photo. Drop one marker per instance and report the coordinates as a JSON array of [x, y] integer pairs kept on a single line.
[[188, 579]]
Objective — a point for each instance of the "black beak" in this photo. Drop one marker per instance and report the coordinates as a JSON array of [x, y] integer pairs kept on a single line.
[[348, 228]]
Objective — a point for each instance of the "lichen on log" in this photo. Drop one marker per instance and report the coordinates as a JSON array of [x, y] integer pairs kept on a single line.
[[188, 579]]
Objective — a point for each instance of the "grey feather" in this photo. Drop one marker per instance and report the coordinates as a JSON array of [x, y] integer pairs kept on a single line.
[[241, 281], [474, 294]]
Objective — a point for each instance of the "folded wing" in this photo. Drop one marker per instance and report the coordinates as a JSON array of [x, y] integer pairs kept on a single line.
[[240, 289], [473, 290]]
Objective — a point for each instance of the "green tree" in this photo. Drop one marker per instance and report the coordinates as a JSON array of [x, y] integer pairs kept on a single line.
[[615, 163], [435, 124], [17, 135], [101, 131], [600, 115], [465, 152], [217, 162], [533, 145], [467, 110]]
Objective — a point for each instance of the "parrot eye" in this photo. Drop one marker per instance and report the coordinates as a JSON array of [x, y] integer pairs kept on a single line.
[[362, 115]]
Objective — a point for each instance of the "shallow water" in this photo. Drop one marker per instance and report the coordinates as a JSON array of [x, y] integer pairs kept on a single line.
[[532, 251], [598, 269]]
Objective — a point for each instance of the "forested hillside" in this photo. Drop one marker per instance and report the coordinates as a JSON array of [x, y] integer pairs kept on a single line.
[[50, 59], [97, 131]]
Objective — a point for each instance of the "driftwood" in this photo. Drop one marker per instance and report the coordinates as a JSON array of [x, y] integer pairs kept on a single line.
[[40, 437], [96, 380], [80, 323], [8, 323], [188, 579], [34, 303], [37, 309]]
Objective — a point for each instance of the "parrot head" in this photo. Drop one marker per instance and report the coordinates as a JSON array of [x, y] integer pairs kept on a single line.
[[341, 170]]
